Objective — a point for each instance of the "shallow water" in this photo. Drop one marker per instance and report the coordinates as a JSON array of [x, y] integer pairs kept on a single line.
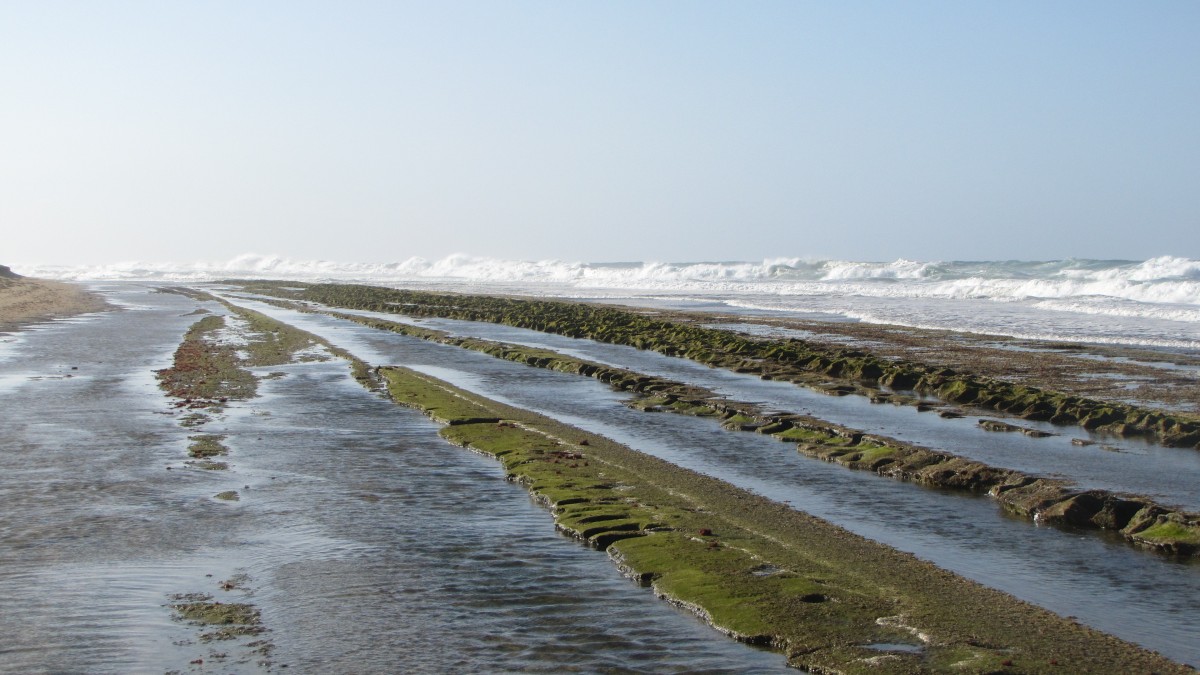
[[438, 551], [368, 543], [1170, 475], [1102, 581]]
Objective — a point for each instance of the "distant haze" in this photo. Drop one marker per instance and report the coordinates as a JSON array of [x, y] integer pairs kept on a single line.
[[617, 131]]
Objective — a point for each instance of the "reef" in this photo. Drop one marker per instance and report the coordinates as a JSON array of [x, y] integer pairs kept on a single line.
[[803, 362], [757, 570], [1138, 519]]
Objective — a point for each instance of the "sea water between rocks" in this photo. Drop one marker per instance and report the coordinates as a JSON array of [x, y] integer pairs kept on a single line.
[[368, 543], [371, 544]]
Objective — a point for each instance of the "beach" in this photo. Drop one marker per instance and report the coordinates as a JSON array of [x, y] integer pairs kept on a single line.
[[217, 406], [24, 300], [840, 338]]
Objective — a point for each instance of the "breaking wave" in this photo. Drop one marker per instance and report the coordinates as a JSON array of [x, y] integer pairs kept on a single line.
[[1164, 289]]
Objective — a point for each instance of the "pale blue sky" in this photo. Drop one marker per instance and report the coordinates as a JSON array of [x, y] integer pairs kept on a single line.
[[376, 131]]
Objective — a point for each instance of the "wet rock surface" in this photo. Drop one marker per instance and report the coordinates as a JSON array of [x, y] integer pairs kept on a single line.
[[354, 558], [688, 536], [1045, 503], [802, 361]]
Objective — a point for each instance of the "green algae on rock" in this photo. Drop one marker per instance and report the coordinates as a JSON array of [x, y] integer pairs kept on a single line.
[[206, 446], [268, 342], [231, 619], [204, 371], [758, 570], [802, 362], [1042, 500], [209, 370]]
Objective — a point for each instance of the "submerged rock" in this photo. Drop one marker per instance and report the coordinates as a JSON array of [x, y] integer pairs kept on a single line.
[[997, 425]]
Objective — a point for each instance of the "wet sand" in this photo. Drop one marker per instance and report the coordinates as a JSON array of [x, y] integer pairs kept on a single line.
[[24, 301]]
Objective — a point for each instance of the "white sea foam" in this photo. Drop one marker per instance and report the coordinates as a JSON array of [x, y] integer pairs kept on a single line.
[[1165, 279], [1155, 301]]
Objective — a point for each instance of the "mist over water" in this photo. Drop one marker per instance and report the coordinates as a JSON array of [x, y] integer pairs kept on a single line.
[[1153, 303]]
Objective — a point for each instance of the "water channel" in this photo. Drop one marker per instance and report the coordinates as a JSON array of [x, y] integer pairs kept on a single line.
[[1102, 581], [1131, 465], [367, 542]]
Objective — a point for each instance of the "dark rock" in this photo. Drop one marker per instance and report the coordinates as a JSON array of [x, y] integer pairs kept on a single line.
[[1038, 412], [997, 425], [1030, 499], [1182, 440], [879, 463], [1036, 433], [900, 380], [1076, 510], [1117, 512], [1063, 418], [774, 427], [1099, 418], [1142, 519]]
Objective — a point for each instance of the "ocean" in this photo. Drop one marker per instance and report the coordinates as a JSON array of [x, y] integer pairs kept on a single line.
[[1150, 303]]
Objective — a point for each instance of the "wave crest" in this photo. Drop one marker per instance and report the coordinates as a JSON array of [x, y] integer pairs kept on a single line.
[[1163, 287]]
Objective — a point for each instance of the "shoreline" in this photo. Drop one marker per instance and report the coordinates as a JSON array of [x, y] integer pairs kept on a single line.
[[1040, 499], [1139, 519], [812, 363], [25, 301], [1165, 379], [757, 570]]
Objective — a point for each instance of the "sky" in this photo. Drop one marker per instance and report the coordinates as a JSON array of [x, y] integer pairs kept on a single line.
[[609, 131]]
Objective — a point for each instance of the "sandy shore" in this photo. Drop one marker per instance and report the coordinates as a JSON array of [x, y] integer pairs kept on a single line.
[[24, 301]]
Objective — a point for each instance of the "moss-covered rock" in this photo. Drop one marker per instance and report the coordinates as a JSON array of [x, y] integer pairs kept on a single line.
[[791, 359], [1042, 499], [759, 571]]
